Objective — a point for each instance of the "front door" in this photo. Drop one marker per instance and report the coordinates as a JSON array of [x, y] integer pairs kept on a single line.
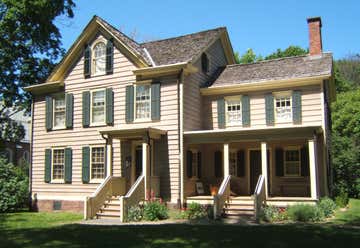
[[138, 161], [255, 168]]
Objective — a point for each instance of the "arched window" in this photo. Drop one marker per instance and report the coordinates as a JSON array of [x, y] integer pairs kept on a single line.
[[99, 55], [204, 63]]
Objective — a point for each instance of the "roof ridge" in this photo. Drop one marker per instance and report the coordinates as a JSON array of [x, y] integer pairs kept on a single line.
[[184, 35]]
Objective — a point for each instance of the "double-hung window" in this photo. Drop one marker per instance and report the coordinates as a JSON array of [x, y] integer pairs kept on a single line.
[[98, 107], [142, 101], [283, 107], [292, 162], [233, 111], [58, 164], [59, 111], [97, 162], [233, 163], [99, 55]]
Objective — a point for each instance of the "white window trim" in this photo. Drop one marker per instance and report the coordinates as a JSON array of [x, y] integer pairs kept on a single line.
[[95, 124], [97, 180], [232, 98], [52, 165], [282, 94], [136, 120], [53, 112], [100, 40], [292, 148], [195, 175]]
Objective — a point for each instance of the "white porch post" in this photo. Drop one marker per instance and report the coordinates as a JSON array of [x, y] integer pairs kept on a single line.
[[226, 160], [264, 165], [312, 164], [109, 158], [145, 148]]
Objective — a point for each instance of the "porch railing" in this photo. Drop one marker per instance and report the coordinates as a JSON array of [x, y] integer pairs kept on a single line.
[[109, 187], [259, 196], [133, 197], [221, 197]]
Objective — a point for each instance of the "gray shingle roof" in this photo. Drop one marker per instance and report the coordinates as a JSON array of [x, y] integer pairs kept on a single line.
[[284, 68], [181, 49]]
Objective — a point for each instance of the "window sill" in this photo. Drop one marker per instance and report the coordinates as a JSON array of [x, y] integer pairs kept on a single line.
[[58, 128], [102, 124], [57, 181], [96, 181], [143, 120]]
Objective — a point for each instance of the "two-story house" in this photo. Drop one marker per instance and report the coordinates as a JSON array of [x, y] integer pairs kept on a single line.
[[118, 122]]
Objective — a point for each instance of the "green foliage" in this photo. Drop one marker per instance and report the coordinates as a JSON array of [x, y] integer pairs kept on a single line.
[[135, 213], [342, 199], [14, 185], [155, 210], [248, 57], [327, 205], [274, 214], [349, 69], [30, 45], [196, 211], [291, 51], [305, 213]]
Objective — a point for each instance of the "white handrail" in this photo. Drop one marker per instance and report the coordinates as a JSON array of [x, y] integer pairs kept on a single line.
[[222, 195], [259, 196], [101, 186]]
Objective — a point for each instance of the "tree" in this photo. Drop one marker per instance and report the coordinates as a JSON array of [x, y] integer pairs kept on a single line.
[[30, 44], [291, 51], [248, 57], [348, 69]]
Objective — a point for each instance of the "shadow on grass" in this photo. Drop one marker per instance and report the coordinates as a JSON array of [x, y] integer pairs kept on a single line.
[[183, 235]]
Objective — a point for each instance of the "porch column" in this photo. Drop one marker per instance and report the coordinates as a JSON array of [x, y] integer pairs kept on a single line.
[[109, 158], [226, 160], [312, 165], [264, 165], [145, 149]]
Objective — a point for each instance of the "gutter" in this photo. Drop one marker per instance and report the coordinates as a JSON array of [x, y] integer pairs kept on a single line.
[[31, 153]]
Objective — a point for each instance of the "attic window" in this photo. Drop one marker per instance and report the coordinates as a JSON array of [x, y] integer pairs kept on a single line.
[[99, 56], [204, 63]]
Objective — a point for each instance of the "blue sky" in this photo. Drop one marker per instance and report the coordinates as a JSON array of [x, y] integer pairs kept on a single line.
[[258, 24]]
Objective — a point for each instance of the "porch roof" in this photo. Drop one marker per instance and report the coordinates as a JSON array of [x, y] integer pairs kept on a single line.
[[250, 134], [133, 133]]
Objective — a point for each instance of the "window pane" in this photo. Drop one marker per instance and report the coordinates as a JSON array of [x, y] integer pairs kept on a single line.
[[97, 163], [292, 162], [99, 58], [283, 110], [142, 101], [58, 164], [98, 106], [234, 114], [59, 111], [232, 163]]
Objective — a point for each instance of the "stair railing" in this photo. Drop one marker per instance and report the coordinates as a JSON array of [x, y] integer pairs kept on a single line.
[[109, 187], [259, 196], [135, 195], [221, 197]]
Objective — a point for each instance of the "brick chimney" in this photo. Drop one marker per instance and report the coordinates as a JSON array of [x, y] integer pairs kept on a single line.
[[315, 46]]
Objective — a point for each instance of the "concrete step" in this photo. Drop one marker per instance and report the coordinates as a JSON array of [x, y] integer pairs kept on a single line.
[[111, 205], [232, 204], [108, 216], [237, 216], [110, 210], [240, 207], [239, 211]]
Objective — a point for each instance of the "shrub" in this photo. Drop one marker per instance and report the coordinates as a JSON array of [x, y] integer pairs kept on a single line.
[[327, 205], [155, 210], [342, 199], [305, 213], [135, 213], [196, 211], [272, 214], [13, 187]]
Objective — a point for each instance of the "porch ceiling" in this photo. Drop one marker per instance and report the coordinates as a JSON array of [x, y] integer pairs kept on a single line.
[[133, 133], [249, 134]]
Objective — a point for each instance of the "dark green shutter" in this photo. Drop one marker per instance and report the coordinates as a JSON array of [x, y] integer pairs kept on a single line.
[[199, 165], [49, 112], [109, 57], [218, 164], [279, 162], [129, 108], [305, 170], [189, 164], [47, 176], [109, 106], [86, 164], [269, 108], [245, 102], [69, 98], [87, 61], [296, 102], [240, 163], [68, 165], [221, 112], [155, 101], [86, 108]]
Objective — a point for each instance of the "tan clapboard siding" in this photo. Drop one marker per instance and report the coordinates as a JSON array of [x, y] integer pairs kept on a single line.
[[311, 108], [192, 98], [79, 136]]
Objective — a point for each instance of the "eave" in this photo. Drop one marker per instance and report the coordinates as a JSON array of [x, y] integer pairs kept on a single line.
[[264, 85], [49, 87], [165, 70], [133, 133]]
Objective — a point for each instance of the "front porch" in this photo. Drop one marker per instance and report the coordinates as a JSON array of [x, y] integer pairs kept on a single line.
[[289, 159]]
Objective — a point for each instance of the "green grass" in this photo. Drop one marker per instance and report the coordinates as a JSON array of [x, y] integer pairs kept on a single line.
[[351, 216], [59, 230]]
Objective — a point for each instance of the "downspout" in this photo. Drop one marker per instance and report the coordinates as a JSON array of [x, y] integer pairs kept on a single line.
[[31, 153], [106, 152], [180, 135]]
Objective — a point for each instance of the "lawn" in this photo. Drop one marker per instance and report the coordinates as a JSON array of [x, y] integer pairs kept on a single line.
[[59, 230]]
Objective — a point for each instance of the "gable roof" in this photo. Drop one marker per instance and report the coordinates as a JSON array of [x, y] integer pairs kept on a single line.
[[277, 69], [183, 48]]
